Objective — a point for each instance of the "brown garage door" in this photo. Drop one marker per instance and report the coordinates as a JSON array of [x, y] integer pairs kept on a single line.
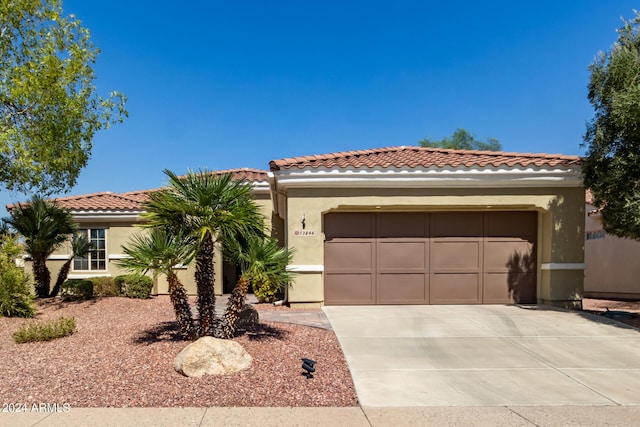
[[430, 258]]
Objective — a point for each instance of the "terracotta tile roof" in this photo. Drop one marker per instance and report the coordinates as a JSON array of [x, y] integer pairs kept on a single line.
[[396, 157], [105, 201], [243, 174], [132, 200]]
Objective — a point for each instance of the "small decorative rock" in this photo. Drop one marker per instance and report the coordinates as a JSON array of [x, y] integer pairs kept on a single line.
[[211, 356]]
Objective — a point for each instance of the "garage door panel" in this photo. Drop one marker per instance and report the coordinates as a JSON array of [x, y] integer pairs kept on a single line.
[[349, 225], [349, 289], [511, 224], [509, 287], [404, 288], [402, 255], [410, 224], [456, 224], [453, 254], [437, 258], [455, 288], [508, 255], [495, 289], [349, 256]]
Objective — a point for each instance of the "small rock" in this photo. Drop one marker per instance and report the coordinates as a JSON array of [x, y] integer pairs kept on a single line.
[[211, 356]]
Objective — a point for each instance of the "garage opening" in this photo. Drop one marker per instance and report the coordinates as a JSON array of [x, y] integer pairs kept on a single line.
[[430, 258]]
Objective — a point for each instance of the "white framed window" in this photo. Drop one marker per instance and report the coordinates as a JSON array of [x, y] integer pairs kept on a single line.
[[96, 260]]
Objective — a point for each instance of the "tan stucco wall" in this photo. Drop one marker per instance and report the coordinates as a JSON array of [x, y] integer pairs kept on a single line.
[[560, 239], [612, 270]]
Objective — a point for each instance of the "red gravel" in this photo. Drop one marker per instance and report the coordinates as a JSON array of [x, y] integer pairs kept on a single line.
[[599, 306], [122, 356]]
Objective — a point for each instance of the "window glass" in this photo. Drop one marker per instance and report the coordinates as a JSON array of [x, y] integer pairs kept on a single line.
[[97, 257]]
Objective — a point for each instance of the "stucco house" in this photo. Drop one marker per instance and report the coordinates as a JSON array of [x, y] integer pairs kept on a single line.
[[398, 225], [612, 267]]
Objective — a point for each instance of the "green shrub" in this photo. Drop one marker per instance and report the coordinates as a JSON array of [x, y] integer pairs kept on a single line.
[[45, 331], [266, 292], [77, 289], [104, 287], [134, 285], [16, 298]]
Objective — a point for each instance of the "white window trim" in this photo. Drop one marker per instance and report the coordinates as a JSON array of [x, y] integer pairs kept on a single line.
[[89, 272]]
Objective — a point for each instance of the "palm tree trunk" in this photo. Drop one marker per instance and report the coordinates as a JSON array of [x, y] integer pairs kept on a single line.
[[62, 277], [204, 276], [226, 328], [42, 277], [180, 302]]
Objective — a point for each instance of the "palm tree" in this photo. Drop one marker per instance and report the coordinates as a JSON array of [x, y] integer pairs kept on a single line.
[[161, 252], [204, 206], [262, 262], [80, 247], [44, 226]]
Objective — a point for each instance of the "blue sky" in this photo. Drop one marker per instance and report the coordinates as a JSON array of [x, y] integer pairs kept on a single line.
[[225, 84]]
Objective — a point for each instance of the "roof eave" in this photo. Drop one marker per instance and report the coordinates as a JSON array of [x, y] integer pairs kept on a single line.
[[430, 178]]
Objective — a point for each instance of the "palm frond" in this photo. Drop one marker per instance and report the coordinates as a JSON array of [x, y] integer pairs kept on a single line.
[[157, 250]]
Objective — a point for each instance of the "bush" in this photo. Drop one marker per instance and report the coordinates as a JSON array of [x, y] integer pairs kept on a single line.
[[16, 298], [77, 289], [45, 331], [266, 292], [134, 285], [104, 287]]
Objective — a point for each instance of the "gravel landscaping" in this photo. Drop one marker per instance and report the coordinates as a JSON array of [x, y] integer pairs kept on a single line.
[[123, 350], [600, 306], [122, 356]]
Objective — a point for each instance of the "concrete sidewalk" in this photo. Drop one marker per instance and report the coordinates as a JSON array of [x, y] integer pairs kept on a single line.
[[542, 416]]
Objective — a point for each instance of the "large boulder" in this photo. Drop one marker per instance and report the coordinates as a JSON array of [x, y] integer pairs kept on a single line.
[[211, 356]]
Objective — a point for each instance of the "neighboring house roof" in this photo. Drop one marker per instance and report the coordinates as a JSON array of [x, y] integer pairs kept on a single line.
[[131, 201], [413, 157], [244, 174], [105, 201]]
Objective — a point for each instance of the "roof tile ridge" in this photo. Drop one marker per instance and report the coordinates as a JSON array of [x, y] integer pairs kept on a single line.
[[84, 196]]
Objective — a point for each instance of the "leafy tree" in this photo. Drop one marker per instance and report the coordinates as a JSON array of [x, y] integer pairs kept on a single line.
[[160, 252], [44, 226], [463, 140], [262, 263], [612, 167], [80, 247], [205, 206], [49, 109]]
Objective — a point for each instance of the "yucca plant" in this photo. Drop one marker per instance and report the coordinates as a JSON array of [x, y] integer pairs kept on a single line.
[[261, 260], [161, 252]]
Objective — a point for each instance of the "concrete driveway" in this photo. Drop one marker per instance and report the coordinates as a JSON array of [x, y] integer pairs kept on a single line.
[[487, 355]]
